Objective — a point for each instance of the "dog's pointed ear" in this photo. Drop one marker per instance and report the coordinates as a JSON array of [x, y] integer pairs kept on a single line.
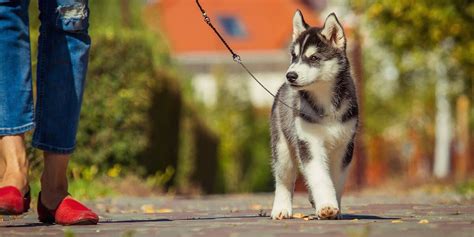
[[333, 32], [299, 25]]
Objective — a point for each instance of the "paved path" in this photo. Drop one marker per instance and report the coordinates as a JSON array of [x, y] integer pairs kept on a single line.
[[415, 214]]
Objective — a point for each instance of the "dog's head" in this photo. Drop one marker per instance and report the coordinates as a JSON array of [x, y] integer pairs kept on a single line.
[[316, 53]]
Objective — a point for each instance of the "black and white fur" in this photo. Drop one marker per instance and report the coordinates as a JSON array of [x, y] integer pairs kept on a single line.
[[316, 136]]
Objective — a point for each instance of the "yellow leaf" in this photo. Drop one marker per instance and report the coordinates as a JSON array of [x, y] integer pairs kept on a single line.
[[164, 210], [424, 221], [256, 207], [114, 171], [397, 221], [148, 208], [299, 215]]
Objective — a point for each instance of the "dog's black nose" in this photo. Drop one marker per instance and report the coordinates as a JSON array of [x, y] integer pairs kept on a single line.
[[291, 76]]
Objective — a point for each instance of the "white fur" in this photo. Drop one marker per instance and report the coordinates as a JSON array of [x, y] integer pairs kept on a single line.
[[296, 50], [310, 51], [324, 174], [333, 31], [285, 171], [298, 25], [338, 175], [318, 178], [307, 74], [304, 41]]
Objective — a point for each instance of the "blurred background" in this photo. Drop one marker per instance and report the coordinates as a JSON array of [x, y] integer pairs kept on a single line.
[[166, 110]]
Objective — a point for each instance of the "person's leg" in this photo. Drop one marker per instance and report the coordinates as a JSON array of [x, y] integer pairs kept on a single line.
[[54, 183], [16, 102], [63, 53], [12, 150]]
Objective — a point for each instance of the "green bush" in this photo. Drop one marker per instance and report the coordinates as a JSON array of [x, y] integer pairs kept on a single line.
[[244, 155], [118, 94]]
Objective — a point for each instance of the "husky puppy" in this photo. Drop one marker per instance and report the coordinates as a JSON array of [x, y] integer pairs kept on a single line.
[[314, 119]]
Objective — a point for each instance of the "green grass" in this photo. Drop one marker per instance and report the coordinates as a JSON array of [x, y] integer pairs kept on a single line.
[[81, 189], [69, 233], [466, 188]]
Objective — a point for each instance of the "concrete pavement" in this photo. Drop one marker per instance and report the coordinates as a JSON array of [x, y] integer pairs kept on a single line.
[[367, 214]]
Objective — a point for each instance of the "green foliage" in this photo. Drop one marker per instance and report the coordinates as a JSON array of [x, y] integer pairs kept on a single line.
[[417, 30], [69, 233], [423, 24], [117, 99], [129, 233], [81, 188], [466, 188], [405, 37], [160, 179], [244, 149]]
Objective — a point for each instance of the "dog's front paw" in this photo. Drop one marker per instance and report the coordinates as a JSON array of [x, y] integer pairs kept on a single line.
[[280, 212], [328, 212]]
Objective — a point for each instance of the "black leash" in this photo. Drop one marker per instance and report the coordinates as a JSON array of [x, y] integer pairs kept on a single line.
[[237, 58]]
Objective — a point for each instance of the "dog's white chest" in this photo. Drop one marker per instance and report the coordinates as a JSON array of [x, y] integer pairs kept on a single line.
[[328, 133]]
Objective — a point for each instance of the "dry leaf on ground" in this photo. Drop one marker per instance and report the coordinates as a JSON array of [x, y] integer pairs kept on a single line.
[[299, 215]]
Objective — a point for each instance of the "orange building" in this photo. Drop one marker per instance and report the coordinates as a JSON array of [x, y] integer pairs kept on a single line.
[[258, 30]]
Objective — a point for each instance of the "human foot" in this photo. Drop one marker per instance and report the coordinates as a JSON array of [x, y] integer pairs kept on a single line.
[[13, 154], [12, 202], [68, 212]]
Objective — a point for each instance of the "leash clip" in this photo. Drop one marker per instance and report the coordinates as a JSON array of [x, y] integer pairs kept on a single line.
[[206, 18], [236, 58]]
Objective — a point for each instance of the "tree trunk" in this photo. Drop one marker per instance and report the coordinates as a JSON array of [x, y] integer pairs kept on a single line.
[[443, 122], [462, 138]]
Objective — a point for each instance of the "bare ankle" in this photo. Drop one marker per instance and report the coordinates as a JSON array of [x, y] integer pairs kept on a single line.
[[53, 191], [15, 173], [54, 184], [51, 199]]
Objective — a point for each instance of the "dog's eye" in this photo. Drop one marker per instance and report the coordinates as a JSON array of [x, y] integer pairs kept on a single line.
[[314, 58]]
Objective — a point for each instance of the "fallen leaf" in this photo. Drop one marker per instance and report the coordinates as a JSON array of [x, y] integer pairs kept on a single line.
[[164, 210], [397, 221], [256, 207], [148, 208], [424, 221], [306, 218], [299, 215]]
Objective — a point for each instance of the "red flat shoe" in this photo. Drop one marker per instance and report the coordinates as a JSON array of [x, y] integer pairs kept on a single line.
[[11, 201], [68, 212]]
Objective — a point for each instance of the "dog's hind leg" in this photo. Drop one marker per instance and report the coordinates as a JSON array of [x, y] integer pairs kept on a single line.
[[285, 172]]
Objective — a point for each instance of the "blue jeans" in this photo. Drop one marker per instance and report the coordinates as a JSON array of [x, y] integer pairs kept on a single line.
[[63, 51]]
